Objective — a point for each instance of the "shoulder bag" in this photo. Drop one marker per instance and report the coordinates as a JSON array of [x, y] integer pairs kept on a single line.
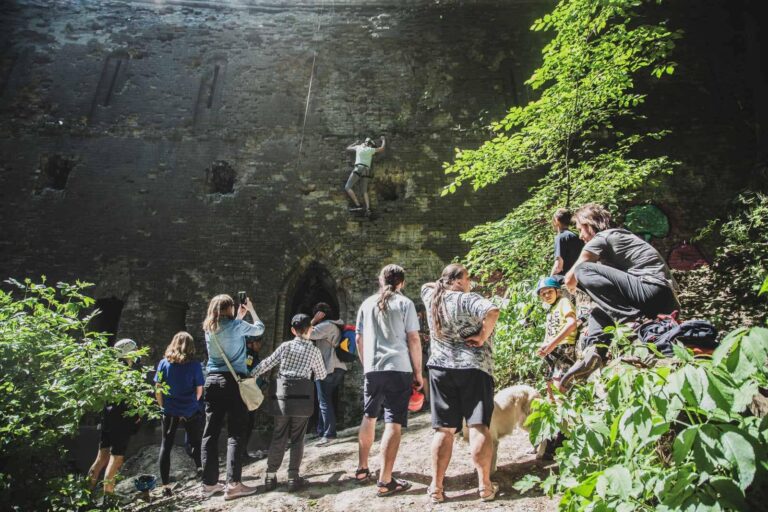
[[249, 390]]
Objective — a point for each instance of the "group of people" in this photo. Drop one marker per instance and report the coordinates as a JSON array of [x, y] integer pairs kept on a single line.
[[604, 277], [611, 274]]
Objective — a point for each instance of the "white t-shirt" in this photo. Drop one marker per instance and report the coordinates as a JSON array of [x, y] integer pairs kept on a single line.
[[364, 154], [385, 340]]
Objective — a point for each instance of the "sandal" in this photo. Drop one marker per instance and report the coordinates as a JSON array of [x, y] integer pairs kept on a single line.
[[493, 491], [394, 486], [436, 495], [365, 473]]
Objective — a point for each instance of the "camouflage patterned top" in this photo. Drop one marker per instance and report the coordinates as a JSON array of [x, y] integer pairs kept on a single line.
[[462, 316]]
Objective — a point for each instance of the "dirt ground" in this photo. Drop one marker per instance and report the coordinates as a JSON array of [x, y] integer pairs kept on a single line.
[[332, 488]]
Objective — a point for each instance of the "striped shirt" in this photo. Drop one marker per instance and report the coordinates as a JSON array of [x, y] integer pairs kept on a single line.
[[298, 359]]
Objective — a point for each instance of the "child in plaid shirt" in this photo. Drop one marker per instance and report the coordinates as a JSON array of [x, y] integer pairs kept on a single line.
[[300, 362]]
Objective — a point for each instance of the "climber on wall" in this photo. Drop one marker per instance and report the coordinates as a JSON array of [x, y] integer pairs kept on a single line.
[[361, 172]]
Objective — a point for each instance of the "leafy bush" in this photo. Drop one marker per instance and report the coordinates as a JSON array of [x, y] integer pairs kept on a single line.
[[577, 131], [519, 332], [671, 437], [725, 292], [53, 371]]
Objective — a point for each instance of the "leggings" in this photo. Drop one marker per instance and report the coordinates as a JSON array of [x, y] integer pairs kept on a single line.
[[170, 424]]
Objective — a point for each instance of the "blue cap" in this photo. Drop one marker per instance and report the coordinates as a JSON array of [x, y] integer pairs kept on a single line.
[[547, 282]]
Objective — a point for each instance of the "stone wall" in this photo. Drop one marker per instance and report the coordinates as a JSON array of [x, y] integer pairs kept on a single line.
[[169, 151]]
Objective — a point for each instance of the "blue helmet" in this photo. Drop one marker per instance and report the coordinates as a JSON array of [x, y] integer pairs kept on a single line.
[[548, 282]]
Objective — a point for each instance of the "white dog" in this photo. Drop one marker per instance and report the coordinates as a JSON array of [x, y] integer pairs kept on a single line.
[[511, 407]]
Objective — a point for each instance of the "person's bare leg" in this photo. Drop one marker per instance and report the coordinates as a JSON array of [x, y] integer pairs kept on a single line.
[[351, 194], [390, 443], [367, 201], [365, 440], [481, 445], [102, 459], [115, 463], [442, 449]]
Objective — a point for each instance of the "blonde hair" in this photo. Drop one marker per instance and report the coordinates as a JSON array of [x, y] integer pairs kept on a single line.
[[181, 349], [219, 307]]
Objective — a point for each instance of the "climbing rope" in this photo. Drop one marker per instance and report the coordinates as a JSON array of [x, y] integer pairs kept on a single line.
[[309, 88]]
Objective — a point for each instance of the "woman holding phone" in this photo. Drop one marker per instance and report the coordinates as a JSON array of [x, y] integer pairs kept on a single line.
[[222, 395]]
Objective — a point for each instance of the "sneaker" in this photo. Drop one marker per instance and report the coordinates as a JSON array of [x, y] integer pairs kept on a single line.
[[209, 490], [325, 440], [297, 483], [355, 208], [270, 483], [238, 490]]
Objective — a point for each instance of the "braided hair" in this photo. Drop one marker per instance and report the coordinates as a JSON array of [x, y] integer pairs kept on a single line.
[[450, 275], [390, 278]]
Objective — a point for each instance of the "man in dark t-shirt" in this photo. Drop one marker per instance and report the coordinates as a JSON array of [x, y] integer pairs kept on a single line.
[[567, 245], [625, 276]]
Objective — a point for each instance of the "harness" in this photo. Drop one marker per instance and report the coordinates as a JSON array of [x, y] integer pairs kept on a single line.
[[366, 173]]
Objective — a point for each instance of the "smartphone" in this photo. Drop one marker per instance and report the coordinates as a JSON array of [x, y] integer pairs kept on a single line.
[[242, 297]]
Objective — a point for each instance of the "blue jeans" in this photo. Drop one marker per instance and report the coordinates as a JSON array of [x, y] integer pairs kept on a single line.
[[326, 420]]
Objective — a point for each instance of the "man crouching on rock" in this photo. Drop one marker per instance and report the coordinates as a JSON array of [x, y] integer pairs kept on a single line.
[[389, 347]]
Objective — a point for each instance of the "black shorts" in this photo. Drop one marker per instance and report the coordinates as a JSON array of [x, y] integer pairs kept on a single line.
[[457, 395], [116, 431], [390, 389]]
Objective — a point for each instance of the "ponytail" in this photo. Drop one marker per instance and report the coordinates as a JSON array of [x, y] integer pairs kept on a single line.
[[450, 274], [389, 278]]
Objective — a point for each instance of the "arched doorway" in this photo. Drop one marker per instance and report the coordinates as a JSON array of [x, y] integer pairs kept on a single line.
[[314, 285]]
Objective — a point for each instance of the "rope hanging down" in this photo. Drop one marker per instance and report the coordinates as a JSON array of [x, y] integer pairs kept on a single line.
[[309, 89]]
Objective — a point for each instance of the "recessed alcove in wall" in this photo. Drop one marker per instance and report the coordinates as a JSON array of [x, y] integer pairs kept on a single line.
[[56, 170], [314, 285], [389, 187], [220, 178], [108, 320], [170, 318]]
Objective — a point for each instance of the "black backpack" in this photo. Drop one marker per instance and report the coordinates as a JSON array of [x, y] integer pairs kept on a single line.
[[692, 333]]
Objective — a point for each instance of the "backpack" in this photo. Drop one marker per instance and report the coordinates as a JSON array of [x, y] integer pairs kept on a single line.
[[700, 335], [346, 350]]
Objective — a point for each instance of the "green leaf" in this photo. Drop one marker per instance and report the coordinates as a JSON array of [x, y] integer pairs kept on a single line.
[[526, 483], [682, 353], [764, 287], [740, 453], [615, 481], [681, 447]]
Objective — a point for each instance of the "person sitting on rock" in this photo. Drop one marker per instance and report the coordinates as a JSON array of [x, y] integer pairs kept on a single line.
[[362, 172]]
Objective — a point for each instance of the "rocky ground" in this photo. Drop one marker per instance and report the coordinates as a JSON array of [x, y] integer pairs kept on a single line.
[[330, 468]]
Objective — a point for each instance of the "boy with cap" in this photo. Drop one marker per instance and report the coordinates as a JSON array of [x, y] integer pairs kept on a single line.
[[116, 430], [558, 348], [293, 402]]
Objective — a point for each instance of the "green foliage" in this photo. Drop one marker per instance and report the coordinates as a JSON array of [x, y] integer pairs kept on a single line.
[[519, 332], [575, 130], [53, 371], [728, 292], [665, 438]]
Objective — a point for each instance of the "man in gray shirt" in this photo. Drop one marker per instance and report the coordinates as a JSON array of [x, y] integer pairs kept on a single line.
[[327, 335], [389, 346], [624, 275]]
